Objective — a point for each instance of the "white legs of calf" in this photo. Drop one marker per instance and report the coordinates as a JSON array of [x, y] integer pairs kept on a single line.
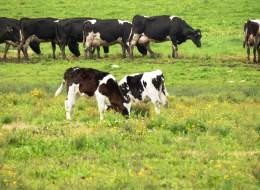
[[101, 101], [70, 102]]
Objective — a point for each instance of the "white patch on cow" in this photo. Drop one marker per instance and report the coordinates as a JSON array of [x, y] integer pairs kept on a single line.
[[21, 35], [146, 16], [71, 98], [101, 99], [119, 39], [123, 21], [93, 21], [57, 21], [171, 17], [127, 106], [106, 78], [256, 21], [75, 68], [168, 38]]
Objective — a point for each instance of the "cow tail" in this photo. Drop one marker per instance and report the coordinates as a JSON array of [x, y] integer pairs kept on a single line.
[[59, 90]]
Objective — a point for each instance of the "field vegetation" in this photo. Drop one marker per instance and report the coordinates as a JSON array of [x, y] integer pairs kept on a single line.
[[208, 138]]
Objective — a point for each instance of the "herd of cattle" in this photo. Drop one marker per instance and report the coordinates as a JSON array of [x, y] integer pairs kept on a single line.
[[95, 33]]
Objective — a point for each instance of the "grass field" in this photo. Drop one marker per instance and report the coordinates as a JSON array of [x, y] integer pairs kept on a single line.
[[208, 138]]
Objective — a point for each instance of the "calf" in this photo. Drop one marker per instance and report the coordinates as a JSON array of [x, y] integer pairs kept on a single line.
[[147, 85], [39, 30], [160, 29], [9, 34], [87, 81], [252, 38], [98, 33]]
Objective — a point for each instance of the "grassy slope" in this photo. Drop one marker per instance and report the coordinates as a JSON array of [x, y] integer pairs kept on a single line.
[[207, 138]]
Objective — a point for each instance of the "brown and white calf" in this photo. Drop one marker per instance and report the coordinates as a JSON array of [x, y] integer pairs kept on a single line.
[[252, 38], [90, 82], [145, 86]]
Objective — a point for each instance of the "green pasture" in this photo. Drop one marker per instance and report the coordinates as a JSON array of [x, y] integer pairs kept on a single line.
[[208, 137]]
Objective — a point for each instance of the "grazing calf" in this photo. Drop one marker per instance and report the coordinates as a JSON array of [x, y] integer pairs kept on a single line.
[[9, 34], [160, 29], [147, 85], [252, 38], [39, 30], [90, 82], [98, 33]]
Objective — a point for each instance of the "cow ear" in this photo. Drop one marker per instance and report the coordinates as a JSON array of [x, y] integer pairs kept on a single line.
[[9, 29]]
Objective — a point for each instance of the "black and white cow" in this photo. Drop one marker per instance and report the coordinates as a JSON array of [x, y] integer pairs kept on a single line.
[[252, 38], [145, 86], [90, 82], [37, 30], [160, 29], [107, 32], [9, 34], [69, 32]]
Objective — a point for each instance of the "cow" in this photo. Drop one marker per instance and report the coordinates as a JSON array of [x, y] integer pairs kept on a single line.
[[90, 82], [39, 30], [145, 86], [162, 28], [9, 34], [107, 32], [252, 38], [69, 32]]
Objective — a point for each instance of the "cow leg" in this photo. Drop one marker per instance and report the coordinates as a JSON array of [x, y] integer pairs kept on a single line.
[[101, 100], [149, 50], [71, 99], [254, 54], [53, 45], [123, 50], [62, 49], [163, 99], [20, 47], [98, 52], [248, 54], [155, 99], [258, 53], [26, 45], [174, 51], [133, 42], [7, 46]]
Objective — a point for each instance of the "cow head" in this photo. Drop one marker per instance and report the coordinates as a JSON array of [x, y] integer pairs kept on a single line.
[[195, 36], [11, 33], [117, 101]]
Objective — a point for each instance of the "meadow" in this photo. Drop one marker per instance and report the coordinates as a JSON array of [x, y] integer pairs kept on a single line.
[[208, 137]]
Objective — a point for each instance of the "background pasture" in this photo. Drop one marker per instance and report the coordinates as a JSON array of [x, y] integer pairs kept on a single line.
[[207, 139]]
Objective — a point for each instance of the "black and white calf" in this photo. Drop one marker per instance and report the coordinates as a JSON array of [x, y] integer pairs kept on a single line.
[[90, 82], [252, 38], [160, 29], [145, 86], [107, 32], [37, 30]]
